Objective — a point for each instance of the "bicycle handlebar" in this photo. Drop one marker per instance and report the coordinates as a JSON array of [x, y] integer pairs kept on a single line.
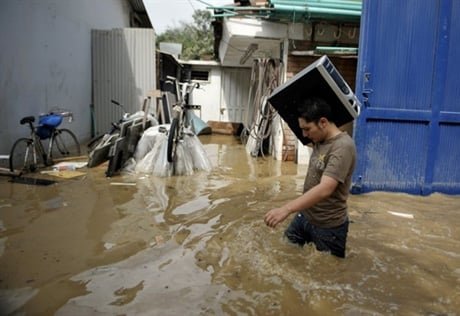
[[62, 113], [65, 114], [182, 88], [171, 79], [188, 87], [125, 113]]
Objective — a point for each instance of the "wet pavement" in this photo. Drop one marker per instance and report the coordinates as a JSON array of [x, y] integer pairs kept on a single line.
[[197, 245]]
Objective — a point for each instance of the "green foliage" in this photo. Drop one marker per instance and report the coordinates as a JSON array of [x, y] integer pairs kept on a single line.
[[196, 38]]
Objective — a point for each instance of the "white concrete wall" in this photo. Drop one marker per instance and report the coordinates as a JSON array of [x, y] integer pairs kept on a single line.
[[45, 59], [224, 97], [209, 94]]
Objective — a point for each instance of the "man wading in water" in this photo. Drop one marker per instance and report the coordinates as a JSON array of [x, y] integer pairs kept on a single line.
[[322, 216]]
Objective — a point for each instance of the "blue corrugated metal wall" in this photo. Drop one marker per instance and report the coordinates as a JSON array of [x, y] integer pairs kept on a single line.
[[409, 128]]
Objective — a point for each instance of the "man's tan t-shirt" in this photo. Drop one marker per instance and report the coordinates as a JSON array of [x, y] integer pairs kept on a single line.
[[336, 158]]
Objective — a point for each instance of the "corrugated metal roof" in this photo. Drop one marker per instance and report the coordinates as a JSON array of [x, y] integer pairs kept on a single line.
[[138, 6], [139, 17]]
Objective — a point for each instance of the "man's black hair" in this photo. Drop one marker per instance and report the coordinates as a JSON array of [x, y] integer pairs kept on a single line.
[[314, 108]]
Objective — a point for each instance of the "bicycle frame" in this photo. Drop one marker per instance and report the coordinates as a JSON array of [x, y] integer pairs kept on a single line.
[[37, 146], [180, 109], [53, 141], [26, 152], [180, 119]]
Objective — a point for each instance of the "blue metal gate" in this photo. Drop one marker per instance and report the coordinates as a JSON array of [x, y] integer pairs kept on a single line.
[[408, 132]]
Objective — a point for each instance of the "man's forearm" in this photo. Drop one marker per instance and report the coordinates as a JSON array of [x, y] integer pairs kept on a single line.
[[316, 194]]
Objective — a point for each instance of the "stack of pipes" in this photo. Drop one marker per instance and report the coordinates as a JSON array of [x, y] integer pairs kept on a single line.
[[337, 9]]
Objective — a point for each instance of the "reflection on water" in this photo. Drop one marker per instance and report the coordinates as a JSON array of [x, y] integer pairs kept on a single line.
[[197, 245]]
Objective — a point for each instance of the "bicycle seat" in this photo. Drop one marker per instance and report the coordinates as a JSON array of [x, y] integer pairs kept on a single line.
[[27, 119]]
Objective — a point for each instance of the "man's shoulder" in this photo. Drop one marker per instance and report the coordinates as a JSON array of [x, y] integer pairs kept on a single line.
[[343, 139]]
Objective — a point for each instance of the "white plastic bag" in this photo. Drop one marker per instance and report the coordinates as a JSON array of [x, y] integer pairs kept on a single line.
[[197, 153], [184, 163], [161, 166], [148, 140]]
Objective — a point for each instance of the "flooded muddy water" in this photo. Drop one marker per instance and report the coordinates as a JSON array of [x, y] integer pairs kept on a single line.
[[197, 245]]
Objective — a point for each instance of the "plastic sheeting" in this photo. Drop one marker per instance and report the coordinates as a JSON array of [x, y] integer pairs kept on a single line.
[[150, 156]]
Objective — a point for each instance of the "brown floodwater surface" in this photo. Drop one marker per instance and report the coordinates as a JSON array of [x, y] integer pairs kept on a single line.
[[137, 244]]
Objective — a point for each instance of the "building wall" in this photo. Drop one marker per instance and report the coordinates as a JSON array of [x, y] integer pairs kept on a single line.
[[224, 96], [123, 69], [45, 60], [235, 84], [208, 96]]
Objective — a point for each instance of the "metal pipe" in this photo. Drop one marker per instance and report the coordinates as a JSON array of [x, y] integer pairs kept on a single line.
[[311, 4], [225, 15], [230, 8], [337, 49], [316, 10], [306, 2]]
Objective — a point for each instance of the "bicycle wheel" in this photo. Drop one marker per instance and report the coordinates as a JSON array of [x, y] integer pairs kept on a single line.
[[172, 139], [64, 144], [22, 156]]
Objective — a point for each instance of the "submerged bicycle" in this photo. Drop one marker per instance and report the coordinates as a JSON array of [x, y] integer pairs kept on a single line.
[[27, 154], [180, 114]]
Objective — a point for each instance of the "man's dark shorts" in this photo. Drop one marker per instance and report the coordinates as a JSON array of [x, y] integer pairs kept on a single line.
[[334, 240]]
